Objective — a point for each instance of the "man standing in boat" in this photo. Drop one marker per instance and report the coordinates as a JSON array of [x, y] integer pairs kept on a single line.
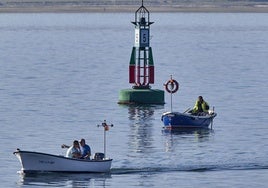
[[201, 107]]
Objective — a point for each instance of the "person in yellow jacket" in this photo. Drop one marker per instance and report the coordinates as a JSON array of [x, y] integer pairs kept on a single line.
[[200, 107]]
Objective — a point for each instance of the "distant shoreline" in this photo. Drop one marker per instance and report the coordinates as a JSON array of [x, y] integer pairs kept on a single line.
[[132, 8]]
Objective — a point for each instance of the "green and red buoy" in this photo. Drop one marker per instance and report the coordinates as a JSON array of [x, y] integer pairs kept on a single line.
[[141, 66]]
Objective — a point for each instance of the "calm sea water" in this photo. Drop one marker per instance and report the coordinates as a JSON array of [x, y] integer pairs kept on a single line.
[[61, 74]]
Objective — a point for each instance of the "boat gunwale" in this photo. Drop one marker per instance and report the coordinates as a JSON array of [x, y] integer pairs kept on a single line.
[[190, 115], [62, 172]]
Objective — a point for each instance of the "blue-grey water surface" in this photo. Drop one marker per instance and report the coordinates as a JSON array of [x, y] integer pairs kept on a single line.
[[60, 76]]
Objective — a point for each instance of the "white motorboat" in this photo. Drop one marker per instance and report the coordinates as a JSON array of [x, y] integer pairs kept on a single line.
[[32, 161], [43, 162]]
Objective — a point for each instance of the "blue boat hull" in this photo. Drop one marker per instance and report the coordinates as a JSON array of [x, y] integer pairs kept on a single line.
[[174, 120]]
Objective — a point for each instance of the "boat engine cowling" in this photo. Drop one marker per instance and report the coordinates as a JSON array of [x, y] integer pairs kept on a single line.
[[99, 156]]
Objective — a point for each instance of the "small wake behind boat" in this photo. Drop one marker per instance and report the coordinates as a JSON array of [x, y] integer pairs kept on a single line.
[[43, 162]]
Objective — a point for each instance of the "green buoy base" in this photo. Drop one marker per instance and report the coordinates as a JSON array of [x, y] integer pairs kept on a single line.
[[141, 96]]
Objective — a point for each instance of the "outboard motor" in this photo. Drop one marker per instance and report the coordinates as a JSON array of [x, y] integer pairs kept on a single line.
[[99, 156]]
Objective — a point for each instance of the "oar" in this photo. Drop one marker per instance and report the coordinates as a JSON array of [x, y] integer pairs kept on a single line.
[[187, 110]]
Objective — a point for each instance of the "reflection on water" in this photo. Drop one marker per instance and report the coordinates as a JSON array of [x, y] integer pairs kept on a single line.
[[173, 137], [200, 133], [141, 121], [63, 179]]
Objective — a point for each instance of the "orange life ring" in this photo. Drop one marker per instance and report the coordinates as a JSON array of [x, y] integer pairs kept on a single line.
[[172, 86]]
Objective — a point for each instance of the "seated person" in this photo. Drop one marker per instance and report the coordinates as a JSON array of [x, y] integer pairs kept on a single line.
[[85, 149], [74, 151], [201, 107]]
